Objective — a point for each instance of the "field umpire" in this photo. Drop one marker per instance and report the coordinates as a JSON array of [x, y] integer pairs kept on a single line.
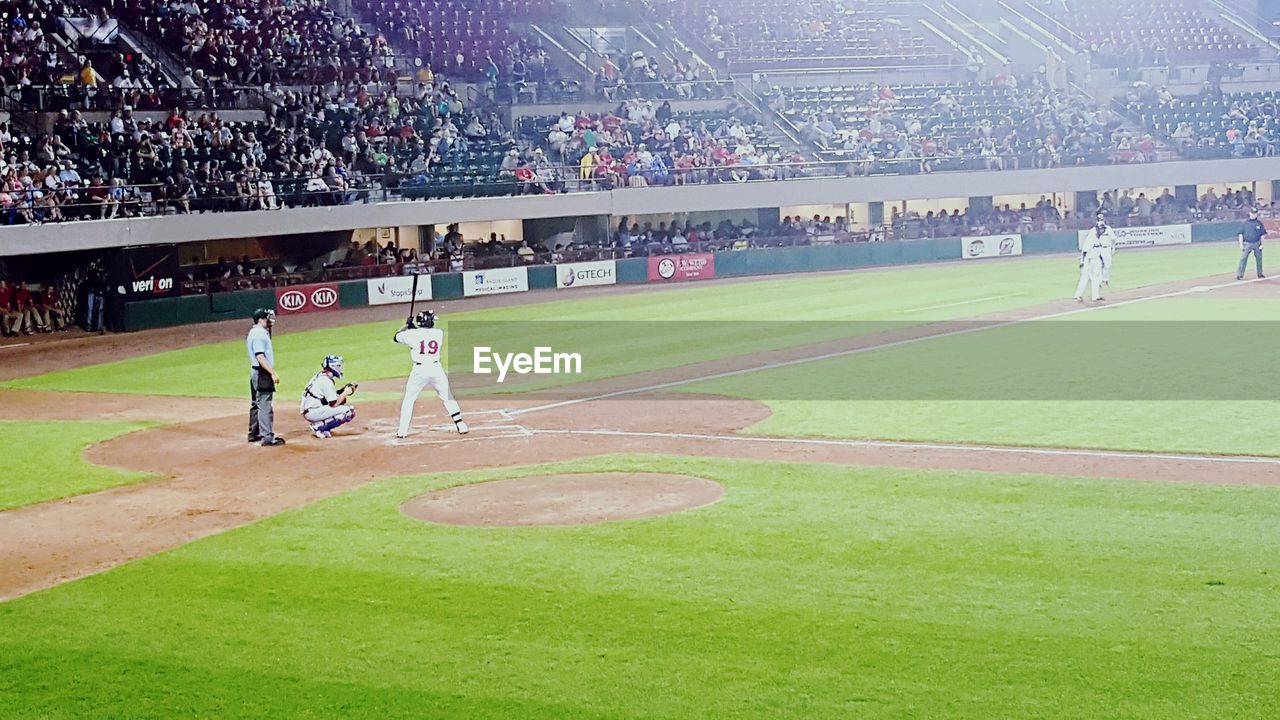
[[262, 379], [1251, 234]]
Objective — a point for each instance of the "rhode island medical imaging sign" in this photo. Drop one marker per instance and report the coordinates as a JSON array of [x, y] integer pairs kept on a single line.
[[495, 281]]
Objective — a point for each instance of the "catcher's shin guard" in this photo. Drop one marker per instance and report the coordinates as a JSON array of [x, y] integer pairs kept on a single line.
[[336, 421]]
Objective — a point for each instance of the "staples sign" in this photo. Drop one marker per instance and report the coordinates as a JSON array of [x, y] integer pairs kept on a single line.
[[306, 298]]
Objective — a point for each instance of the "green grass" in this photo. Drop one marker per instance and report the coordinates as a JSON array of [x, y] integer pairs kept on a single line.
[[807, 592], [1184, 374], [42, 460], [615, 337]]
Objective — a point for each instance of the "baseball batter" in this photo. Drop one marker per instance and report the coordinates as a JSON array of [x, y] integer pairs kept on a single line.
[[426, 345], [1091, 259], [324, 404]]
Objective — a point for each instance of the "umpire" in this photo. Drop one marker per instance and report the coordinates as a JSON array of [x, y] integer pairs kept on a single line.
[[262, 379], [1251, 234]]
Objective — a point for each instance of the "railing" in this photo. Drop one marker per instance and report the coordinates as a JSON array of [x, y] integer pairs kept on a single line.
[[52, 98], [571, 90], [278, 192]]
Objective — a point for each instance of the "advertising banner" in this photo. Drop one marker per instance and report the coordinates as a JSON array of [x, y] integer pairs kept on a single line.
[[495, 281], [1146, 236], [397, 289], [585, 274], [145, 272], [690, 266], [990, 246], [296, 299]]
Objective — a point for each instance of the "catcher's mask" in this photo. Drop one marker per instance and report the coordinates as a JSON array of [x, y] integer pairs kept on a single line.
[[425, 319], [333, 363]]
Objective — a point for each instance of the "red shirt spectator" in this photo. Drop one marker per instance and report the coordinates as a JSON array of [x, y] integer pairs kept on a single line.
[[48, 298], [6, 297]]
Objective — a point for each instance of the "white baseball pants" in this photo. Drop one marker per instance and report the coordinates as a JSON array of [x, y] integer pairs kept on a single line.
[[419, 378], [1090, 272]]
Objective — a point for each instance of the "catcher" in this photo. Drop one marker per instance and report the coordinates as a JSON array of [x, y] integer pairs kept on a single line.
[[324, 405]]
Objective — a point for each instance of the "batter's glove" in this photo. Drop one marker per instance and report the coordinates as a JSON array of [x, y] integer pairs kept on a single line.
[[349, 388]]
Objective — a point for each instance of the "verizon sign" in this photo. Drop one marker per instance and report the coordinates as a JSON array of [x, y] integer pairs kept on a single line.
[[306, 298], [398, 289]]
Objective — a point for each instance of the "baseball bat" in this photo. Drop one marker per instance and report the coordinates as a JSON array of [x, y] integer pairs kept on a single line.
[[413, 295]]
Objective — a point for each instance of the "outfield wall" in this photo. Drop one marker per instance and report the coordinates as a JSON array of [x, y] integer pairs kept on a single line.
[[665, 269]]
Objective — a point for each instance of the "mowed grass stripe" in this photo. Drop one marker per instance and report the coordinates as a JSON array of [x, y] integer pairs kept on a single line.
[[806, 308], [1181, 375], [809, 591]]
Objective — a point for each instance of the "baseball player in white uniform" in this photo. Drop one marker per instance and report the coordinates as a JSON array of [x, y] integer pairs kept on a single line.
[[1108, 238], [324, 405], [1091, 258], [426, 345]]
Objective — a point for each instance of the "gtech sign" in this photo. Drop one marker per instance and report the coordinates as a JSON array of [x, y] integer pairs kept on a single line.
[[306, 298], [584, 274]]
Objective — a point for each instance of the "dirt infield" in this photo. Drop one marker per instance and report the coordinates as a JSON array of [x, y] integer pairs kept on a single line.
[[564, 499], [210, 480]]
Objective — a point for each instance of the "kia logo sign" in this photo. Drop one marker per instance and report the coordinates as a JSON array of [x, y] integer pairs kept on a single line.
[[324, 297], [293, 300], [307, 298]]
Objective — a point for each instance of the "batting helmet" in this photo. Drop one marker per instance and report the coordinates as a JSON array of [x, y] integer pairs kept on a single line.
[[333, 363], [425, 319]]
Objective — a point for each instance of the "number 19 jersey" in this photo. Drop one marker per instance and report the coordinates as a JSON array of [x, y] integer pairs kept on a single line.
[[425, 344]]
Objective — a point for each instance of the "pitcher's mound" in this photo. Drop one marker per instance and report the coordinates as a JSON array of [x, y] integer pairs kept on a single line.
[[564, 499]]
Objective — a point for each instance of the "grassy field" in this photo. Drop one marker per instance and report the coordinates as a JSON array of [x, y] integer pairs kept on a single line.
[[1185, 374], [42, 460], [696, 323], [807, 592]]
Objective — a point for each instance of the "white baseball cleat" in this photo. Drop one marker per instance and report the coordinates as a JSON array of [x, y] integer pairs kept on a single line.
[[462, 427], [1079, 299]]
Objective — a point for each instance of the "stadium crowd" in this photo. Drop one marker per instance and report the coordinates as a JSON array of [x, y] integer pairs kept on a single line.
[[341, 130]]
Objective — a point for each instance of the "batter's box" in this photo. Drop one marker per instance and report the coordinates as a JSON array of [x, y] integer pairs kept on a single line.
[[481, 429]]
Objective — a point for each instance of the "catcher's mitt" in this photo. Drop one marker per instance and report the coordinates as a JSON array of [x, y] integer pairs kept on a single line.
[[349, 387]]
